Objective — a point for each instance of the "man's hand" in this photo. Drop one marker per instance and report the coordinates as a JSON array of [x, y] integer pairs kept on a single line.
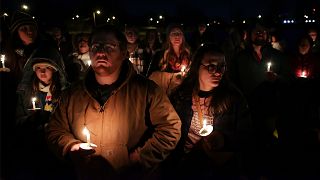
[[78, 154]]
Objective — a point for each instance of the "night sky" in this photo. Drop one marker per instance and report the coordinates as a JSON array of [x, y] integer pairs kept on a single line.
[[225, 9]]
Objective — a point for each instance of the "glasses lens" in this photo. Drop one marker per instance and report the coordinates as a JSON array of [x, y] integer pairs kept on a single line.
[[212, 68], [100, 47]]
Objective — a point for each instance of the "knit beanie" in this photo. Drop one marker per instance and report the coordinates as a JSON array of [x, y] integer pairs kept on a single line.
[[47, 64], [20, 18]]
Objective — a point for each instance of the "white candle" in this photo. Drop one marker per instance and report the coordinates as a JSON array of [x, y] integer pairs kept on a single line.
[[87, 133], [204, 123], [269, 66], [3, 57], [33, 102], [183, 69], [303, 74]]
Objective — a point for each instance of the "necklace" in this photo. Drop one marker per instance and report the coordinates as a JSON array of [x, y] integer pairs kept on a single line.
[[206, 129]]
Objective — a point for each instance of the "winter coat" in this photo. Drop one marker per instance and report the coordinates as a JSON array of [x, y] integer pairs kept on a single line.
[[137, 117]]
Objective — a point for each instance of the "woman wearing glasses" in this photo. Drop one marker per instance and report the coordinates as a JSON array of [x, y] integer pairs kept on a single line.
[[215, 118]]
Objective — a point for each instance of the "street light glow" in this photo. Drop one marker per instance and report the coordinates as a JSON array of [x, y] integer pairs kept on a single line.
[[24, 6]]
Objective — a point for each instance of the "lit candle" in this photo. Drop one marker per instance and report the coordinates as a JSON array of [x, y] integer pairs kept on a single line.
[[204, 123], [3, 57], [183, 69], [34, 103], [87, 133], [89, 62], [269, 66], [303, 74]]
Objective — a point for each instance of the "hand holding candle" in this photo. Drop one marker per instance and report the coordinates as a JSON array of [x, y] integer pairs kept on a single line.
[[206, 129]]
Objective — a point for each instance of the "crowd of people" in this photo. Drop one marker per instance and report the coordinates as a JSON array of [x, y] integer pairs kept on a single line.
[[119, 103]]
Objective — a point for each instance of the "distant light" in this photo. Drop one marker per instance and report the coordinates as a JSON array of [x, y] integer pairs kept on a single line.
[[313, 9], [72, 18], [313, 20], [181, 24], [201, 44], [77, 16], [244, 21], [157, 22], [33, 17], [25, 7], [108, 19], [113, 17], [98, 12], [285, 21], [306, 16], [259, 16], [208, 24], [306, 21], [160, 17], [151, 19], [5, 14], [214, 22], [309, 20], [292, 21]]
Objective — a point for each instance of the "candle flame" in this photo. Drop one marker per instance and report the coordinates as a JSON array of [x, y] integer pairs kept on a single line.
[[183, 68], [269, 66], [87, 134], [33, 99], [85, 131], [3, 57]]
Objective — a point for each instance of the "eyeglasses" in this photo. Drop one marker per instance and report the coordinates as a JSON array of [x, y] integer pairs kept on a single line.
[[212, 68], [103, 47]]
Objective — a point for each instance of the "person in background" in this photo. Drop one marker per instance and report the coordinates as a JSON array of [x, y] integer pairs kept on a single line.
[[24, 39], [38, 95], [79, 61], [263, 75], [198, 37], [152, 44], [62, 40], [216, 123], [313, 33], [129, 119], [136, 53], [168, 67]]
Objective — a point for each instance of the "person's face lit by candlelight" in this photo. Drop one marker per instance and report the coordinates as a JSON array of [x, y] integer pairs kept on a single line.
[[106, 53], [44, 73], [211, 70]]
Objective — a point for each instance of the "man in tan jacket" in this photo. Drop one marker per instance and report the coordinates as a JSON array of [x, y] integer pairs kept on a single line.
[[130, 125]]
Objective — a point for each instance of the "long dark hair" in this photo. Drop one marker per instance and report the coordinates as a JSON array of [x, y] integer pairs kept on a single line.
[[223, 94]]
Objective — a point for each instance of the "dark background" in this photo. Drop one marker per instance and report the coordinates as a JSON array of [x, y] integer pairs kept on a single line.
[[187, 10]]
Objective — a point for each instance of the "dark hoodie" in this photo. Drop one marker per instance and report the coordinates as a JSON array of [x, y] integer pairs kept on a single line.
[[25, 88]]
